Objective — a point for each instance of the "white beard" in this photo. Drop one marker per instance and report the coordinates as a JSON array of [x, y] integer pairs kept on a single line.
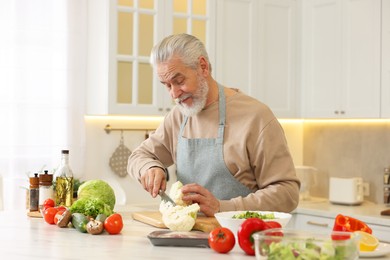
[[199, 99]]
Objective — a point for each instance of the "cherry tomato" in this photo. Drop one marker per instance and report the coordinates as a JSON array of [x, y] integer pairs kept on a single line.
[[222, 240], [63, 208], [113, 224], [48, 203], [49, 214], [58, 215]]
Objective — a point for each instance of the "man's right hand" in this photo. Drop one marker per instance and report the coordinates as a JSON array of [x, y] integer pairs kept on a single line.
[[154, 180]]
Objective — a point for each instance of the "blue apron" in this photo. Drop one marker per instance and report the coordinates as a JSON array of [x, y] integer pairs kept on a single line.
[[201, 161]]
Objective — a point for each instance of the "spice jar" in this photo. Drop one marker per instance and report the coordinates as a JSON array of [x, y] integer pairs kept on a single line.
[[34, 193], [45, 187]]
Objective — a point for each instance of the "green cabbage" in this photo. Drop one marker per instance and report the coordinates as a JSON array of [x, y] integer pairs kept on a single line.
[[91, 207], [97, 189]]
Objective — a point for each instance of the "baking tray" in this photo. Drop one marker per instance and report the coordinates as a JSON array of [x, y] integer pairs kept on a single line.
[[180, 239]]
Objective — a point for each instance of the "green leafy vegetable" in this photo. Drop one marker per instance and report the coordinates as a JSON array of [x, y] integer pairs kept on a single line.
[[97, 189], [253, 214], [91, 207], [309, 250]]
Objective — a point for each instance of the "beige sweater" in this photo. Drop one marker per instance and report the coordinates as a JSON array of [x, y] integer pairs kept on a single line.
[[255, 152]]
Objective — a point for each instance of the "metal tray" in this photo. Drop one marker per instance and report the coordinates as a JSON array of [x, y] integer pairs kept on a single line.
[[175, 238]]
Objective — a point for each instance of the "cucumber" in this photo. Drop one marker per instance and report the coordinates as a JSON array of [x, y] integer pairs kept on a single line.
[[101, 217], [79, 221]]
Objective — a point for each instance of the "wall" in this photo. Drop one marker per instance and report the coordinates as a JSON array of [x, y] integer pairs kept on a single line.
[[342, 148], [100, 146], [348, 148]]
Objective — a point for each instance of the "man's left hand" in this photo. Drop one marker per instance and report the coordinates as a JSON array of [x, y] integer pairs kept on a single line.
[[194, 193]]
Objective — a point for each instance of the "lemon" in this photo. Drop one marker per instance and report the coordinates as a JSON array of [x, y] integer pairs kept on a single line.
[[367, 242]]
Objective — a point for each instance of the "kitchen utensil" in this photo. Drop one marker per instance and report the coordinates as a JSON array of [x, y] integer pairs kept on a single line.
[[346, 191], [165, 197], [225, 219], [119, 159], [382, 250], [154, 218], [385, 212], [173, 238], [278, 242], [308, 177]]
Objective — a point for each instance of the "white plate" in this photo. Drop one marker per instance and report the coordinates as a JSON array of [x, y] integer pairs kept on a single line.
[[381, 250]]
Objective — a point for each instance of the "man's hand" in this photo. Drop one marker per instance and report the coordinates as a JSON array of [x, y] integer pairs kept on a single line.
[[194, 193], [153, 180]]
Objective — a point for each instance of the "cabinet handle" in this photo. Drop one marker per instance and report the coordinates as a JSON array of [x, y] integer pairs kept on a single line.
[[160, 109], [317, 224], [168, 109], [336, 112], [342, 112]]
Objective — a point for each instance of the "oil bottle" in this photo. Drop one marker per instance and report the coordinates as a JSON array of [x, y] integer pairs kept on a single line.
[[64, 181]]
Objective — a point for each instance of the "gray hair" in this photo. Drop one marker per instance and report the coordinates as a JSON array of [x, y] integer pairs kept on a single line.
[[187, 47]]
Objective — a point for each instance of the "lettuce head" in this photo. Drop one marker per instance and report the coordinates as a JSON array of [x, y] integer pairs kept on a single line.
[[97, 189], [91, 207]]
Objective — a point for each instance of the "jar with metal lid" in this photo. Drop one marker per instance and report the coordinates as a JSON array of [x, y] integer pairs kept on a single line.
[[45, 187], [34, 193]]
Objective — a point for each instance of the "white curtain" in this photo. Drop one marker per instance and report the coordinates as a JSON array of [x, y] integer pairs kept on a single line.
[[42, 90]]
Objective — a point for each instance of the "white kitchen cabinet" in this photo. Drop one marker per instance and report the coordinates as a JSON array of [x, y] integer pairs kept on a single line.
[[341, 53], [385, 104], [311, 223], [121, 34], [256, 51], [315, 223]]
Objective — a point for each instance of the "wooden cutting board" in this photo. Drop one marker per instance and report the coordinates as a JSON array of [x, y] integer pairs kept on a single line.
[[154, 218]]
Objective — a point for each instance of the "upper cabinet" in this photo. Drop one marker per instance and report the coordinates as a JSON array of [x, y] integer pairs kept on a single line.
[[257, 51], [303, 58], [385, 104], [121, 36], [341, 50]]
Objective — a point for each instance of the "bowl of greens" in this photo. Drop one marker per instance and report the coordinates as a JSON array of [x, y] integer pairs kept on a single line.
[[233, 219], [289, 244]]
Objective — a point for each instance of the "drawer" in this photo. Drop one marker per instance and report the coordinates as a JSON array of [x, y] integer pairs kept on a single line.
[[311, 223], [324, 224]]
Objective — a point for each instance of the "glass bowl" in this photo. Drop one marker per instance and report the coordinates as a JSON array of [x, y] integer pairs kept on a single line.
[[292, 244]]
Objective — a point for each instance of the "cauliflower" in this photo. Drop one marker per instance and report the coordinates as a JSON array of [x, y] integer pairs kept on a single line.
[[176, 194], [180, 218]]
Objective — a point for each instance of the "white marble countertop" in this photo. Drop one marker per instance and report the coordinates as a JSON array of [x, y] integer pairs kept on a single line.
[[22, 237], [368, 212]]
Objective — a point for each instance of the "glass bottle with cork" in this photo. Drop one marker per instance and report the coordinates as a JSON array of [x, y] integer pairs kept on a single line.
[[64, 181]]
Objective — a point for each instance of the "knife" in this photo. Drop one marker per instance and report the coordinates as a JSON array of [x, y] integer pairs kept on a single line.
[[165, 197]]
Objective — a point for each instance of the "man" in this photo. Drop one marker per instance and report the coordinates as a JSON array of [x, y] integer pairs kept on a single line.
[[229, 149]]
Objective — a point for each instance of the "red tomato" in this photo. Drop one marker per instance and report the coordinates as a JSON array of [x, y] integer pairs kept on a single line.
[[61, 208], [221, 240], [58, 216], [245, 231], [49, 214], [113, 224], [48, 203]]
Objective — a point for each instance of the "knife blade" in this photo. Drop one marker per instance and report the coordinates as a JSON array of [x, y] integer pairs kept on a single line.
[[165, 197]]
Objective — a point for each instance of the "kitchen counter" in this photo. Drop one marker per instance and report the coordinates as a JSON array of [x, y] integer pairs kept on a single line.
[[367, 211], [22, 237]]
